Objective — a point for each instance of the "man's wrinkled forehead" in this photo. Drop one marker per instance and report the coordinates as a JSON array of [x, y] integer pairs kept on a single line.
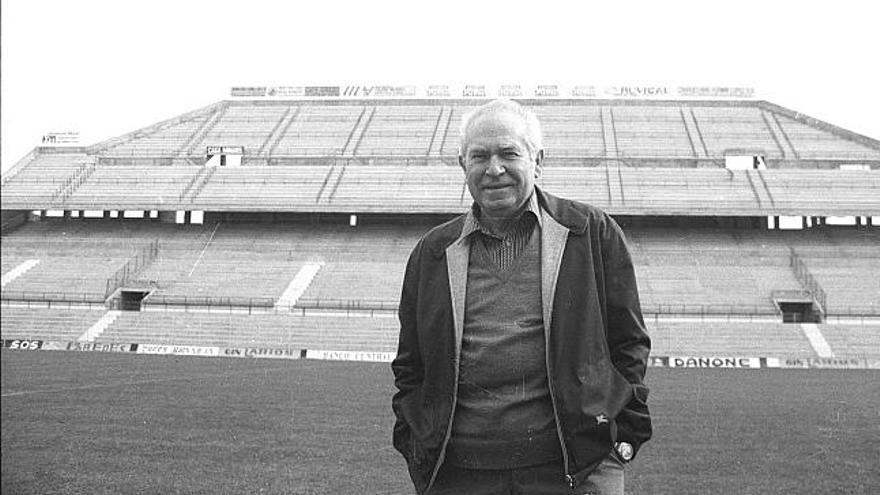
[[500, 129]]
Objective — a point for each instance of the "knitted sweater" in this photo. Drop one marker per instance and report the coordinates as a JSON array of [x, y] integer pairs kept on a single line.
[[504, 417]]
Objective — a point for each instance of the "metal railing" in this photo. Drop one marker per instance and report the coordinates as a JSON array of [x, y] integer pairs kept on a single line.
[[132, 267], [803, 274]]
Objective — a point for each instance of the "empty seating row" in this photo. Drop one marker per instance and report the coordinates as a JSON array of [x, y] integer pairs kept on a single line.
[[46, 324]]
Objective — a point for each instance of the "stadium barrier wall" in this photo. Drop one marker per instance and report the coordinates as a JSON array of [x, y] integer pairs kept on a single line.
[[676, 362], [163, 302]]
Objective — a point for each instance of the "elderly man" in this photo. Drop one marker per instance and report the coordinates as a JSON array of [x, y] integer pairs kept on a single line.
[[522, 347]]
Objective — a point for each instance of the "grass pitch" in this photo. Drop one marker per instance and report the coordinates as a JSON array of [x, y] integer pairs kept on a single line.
[[118, 423]]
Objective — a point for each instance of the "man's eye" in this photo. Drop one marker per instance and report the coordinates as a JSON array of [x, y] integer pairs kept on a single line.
[[511, 155]]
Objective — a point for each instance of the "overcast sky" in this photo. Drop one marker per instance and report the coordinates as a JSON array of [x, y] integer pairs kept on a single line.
[[104, 68]]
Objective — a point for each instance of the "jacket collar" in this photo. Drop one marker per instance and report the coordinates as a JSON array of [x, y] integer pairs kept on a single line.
[[559, 209], [563, 211]]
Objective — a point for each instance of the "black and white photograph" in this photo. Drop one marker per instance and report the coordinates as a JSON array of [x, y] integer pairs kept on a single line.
[[439, 248]]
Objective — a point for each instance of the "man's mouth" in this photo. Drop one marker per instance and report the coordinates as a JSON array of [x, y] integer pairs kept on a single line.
[[496, 186]]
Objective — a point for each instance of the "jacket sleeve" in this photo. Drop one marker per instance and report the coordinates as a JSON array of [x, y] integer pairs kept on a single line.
[[407, 365], [627, 337]]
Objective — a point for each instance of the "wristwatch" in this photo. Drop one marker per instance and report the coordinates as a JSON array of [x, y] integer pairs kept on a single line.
[[624, 451]]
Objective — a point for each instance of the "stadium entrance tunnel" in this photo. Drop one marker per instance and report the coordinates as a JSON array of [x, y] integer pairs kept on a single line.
[[130, 300], [799, 312]]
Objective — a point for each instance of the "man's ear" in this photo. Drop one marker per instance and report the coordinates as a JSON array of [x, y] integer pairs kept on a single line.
[[539, 163], [461, 163]]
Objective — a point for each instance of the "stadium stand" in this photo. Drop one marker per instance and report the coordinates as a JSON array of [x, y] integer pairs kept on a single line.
[[64, 325], [319, 131], [364, 281], [163, 140], [244, 126], [44, 177], [859, 341], [418, 189], [646, 132], [812, 143], [263, 330], [569, 131], [139, 187], [263, 187], [723, 129], [405, 130], [731, 339], [712, 276]]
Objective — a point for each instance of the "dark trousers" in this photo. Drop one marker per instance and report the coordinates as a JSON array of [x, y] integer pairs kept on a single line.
[[546, 479]]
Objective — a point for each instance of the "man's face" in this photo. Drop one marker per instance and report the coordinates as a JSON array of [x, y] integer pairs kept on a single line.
[[499, 169]]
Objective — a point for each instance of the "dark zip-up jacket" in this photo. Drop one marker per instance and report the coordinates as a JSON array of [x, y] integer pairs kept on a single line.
[[596, 343]]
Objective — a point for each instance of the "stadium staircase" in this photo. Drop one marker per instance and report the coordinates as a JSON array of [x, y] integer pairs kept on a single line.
[[699, 132], [298, 285], [80, 175], [189, 146], [775, 132], [775, 127], [132, 268], [98, 328], [357, 132], [278, 132], [444, 120], [18, 271], [609, 136], [196, 184], [691, 131], [817, 294]]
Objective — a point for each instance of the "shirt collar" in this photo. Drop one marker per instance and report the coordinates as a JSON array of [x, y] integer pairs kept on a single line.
[[472, 222]]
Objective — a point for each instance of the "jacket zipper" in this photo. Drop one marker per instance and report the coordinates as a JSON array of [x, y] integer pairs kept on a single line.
[[568, 477]]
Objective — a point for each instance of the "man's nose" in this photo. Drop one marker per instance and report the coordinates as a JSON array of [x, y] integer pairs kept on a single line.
[[495, 168]]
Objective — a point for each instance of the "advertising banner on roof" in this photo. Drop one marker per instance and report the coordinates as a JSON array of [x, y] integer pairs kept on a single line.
[[380, 91], [510, 91], [637, 91], [441, 90], [322, 91], [286, 91], [583, 92], [547, 90], [66, 138], [715, 92], [458, 91], [474, 90], [248, 91]]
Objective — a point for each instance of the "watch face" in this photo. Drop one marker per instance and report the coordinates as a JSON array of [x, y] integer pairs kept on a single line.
[[625, 450]]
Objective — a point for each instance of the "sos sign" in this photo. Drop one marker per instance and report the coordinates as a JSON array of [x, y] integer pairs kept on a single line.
[[24, 345]]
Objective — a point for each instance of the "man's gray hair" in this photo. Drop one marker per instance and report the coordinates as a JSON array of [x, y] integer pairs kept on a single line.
[[533, 137]]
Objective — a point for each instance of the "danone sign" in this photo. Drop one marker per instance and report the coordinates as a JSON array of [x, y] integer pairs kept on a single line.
[[714, 362]]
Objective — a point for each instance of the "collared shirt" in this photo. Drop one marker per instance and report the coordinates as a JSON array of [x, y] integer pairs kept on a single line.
[[504, 250]]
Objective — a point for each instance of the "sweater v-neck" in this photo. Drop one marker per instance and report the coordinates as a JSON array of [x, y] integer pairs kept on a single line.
[[494, 269]]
